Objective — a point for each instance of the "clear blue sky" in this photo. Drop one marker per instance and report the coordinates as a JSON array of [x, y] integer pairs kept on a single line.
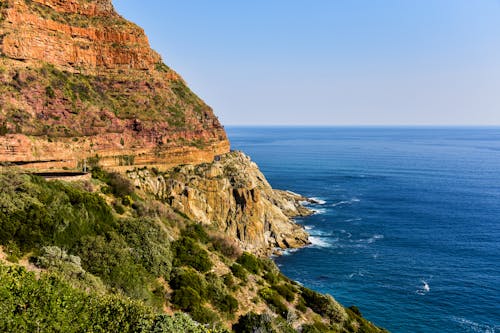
[[333, 62]]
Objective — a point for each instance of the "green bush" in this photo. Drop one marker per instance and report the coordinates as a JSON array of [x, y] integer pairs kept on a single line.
[[274, 300], [188, 277], [249, 262], [186, 298], [180, 322], [251, 323], [301, 305], [197, 232], [285, 290], [109, 257], [204, 315], [120, 185], [50, 92], [323, 305], [218, 294], [150, 245], [58, 213], [187, 252], [119, 209], [271, 277], [239, 272], [48, 304], [317, 327]]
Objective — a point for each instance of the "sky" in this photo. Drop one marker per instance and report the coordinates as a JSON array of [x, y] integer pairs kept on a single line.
[[332, 62]]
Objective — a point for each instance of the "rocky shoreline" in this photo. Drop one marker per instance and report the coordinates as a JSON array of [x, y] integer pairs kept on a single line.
[[233, 195]]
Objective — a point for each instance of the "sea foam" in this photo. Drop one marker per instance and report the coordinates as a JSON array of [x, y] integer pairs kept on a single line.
[[317, 201]]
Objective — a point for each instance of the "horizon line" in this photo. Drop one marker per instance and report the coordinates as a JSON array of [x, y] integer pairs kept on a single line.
[[369, 125]]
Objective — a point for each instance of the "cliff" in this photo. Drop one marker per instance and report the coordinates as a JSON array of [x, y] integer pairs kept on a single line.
[[80, 85], [232, 195]]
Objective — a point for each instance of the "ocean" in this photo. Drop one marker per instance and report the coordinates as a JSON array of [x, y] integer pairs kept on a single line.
[[408, 225]]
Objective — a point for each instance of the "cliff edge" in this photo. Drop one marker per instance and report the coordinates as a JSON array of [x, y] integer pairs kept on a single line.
[[233, 195]]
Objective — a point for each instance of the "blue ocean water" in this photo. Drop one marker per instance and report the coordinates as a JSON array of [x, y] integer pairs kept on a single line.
[[409, 230]]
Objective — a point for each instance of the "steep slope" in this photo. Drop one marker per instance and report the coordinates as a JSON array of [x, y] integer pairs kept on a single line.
[[95, 246], [79, 84]]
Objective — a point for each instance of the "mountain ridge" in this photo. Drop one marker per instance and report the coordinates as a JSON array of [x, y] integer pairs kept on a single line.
[[80, 84]]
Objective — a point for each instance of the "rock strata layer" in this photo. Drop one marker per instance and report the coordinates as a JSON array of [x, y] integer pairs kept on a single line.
[[80, 85], [234, 196]]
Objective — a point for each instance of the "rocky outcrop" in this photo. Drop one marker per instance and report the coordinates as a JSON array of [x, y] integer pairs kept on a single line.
[[234, 196], [79, 85]]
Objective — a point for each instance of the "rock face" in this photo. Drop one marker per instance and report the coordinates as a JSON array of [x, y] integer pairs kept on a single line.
[[80, 85], [233, 195], [73, 33]]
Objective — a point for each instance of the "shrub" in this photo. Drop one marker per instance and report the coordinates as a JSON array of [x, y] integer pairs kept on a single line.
[[50, 92], [274, 300], [229, 281], [120, 186], [271, 277], [226, 246], [150, 245], [301, 305], [47, 304], [34, 212], [180, 322], [204, 315], [188, 277], [239, 272], [187, 252], [249, 262], [119, 209], [109, 257], [323, 305], [218, 295], [356, 310], [186, 298], [285, 290], [197, 232], [252, 322], [317, 327]]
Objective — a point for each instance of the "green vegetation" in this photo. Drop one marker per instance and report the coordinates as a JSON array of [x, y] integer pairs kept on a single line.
[[87, 99], [161, 67], [49, 304], [187, 252], [118, 264], [74, 19], [249, 262]]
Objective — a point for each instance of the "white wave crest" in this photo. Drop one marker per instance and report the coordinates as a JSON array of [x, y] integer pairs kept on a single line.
[[317, 201], [288, 252], [472, 326], [354, 220], [319, 210], [374, 238], [319, 242], [424, 289], [345, 202], [370, 240]]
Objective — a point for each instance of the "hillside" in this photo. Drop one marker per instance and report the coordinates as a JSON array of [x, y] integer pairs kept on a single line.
[[125, 261], [80, 84], [171, 231]]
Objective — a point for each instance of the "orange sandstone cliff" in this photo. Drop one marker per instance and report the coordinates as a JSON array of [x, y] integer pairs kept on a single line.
[[80, 85]]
